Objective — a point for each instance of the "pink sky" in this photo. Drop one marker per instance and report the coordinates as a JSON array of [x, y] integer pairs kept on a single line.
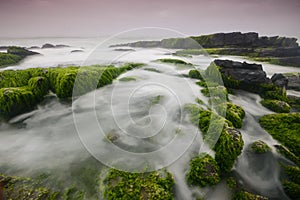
[[31, 18]]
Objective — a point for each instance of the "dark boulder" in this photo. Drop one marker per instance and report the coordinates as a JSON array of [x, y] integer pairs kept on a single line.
[[245, 73], [47, 45], [77, 51], [293, 82], [280, 80]]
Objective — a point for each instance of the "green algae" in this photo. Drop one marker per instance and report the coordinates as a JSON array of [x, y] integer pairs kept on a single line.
[[260, 147], [156, 185], [204, 171]]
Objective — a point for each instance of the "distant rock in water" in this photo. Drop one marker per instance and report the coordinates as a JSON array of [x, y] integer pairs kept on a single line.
[[20, 51], [124, 50], [77, 51], [48, 45], [34, 47], [61, 46]]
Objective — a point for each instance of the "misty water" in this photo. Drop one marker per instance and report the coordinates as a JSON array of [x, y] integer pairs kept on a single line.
[[145, 115]]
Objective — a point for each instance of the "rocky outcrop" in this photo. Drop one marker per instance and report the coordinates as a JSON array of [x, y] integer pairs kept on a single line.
[[245, 73], [288, 81], [280, 80], [48, 45], [20, 51], [221, 40], [77, 51], [293, 82]]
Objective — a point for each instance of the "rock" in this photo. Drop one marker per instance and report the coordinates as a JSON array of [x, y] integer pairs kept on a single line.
[[245, 73], [276, 105], [61, 46], [34, 47], [293, 82], [260, 147], [20, 51], [47, 45], [124, 50], [280, 80], [77, 51], [233, 39]]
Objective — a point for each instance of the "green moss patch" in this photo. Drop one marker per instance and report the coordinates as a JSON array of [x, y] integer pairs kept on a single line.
[[124, 185], [19, 188], [7, 59], [21, 90], [260, 147], [276, 106], [195, 74], [174, 61], [127, 79], [234, 113], [228, 148], [204, 171], [151, 69], [244, 195], [285, 128]]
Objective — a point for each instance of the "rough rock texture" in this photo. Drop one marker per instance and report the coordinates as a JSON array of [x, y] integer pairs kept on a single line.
[[233, 39], [293, 82], [243, 72], [280, 80]]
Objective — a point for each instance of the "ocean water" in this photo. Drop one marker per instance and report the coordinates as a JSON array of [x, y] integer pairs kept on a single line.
[[57, 136]]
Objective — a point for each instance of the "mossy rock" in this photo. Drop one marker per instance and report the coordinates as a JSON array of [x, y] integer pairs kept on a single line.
[[20, 188], [195, 74], [204, 171], [231, 183], [260, 147], [243, 195], [293, 173], [276, 106], [288, 154], [292, 189], [127, 79], [14, 101], [152, 69], [234, 113], [208, 122], [156, 185], [228, 148], [7, 59], [284, 127], [21, 90], [174, 61], [19, 78]]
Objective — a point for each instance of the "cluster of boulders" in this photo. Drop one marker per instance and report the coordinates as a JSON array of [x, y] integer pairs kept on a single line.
[[253, 74]]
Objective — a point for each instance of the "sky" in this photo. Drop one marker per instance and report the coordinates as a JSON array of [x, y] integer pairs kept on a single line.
[[71, 18]]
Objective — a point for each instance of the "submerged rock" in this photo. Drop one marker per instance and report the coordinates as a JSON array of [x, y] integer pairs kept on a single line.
[[77, 51]]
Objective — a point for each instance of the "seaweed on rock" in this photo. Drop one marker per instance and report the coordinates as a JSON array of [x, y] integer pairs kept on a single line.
[[156, 185], [284, 127], [276, 105], [204, 171], [260, 147], [228, 148]]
